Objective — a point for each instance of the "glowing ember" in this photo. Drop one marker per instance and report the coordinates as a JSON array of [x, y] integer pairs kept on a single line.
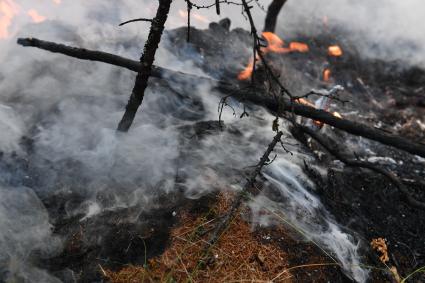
[[336, 114], [298, 47], [305, 102], [334, 50], [326, 74], [35, 16], [8, 10]]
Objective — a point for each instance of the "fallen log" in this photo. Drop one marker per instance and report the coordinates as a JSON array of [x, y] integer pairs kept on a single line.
[[241, 94]]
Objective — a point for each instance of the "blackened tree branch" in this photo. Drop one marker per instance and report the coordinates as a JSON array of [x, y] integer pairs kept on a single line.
[[272, 13], [242, 94], [146, 61], [136, 20], [225, 220], [334, 149], [104, 57]]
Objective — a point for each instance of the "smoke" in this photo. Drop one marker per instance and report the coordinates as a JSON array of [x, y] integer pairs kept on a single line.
[[302, 211], [384, 29], [25, 230], [58, 117]]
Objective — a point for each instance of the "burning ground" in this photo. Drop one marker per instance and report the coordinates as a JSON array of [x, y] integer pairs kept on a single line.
[[81, 202]]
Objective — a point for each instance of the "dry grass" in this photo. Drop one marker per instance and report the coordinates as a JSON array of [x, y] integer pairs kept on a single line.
[[238, 256]]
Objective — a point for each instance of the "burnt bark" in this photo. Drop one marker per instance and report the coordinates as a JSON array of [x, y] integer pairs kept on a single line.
[[334, 149], [146, 62], [242, 94], [272, 14]]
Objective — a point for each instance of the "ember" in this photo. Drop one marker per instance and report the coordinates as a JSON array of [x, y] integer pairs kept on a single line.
[[335, 50]]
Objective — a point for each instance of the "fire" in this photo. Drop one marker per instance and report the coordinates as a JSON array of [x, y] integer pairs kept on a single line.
[[335, 50], [326, 74], [305, 102], [196, 16], [8, 10], [274, 45], [299, 47], [247, 72], [35, 16]]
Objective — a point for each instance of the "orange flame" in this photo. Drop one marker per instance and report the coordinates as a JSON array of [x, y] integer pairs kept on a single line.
[[305, 102], [275, 45], [196, 16], [299, 47], [8, 10], [326, 74], [35, 16], [335, 50], [247, 72]]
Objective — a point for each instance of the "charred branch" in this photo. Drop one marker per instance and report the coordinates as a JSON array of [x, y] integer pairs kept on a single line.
[[136, 20], [242, 94], [334, 149], [272, 14], [146, 61], [225, 220], [104, 57]]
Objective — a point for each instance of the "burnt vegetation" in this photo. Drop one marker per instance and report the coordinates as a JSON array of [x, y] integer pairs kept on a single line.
[[372, 196]]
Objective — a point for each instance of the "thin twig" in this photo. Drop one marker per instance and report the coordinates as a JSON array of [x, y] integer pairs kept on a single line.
[[136, 20], [223, 224]]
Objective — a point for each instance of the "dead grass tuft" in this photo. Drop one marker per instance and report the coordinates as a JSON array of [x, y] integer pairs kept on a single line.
[[237, 257]]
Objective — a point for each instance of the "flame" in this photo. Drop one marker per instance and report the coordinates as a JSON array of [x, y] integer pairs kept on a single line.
[[335, 50], [276, 45], [196, 16], [8, 10], [305, 102], [326, 74], [35, 16], [247, 72], [299, 47]]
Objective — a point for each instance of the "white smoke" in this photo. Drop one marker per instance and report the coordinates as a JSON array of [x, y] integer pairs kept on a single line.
[[383, 29], [70, 109]]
